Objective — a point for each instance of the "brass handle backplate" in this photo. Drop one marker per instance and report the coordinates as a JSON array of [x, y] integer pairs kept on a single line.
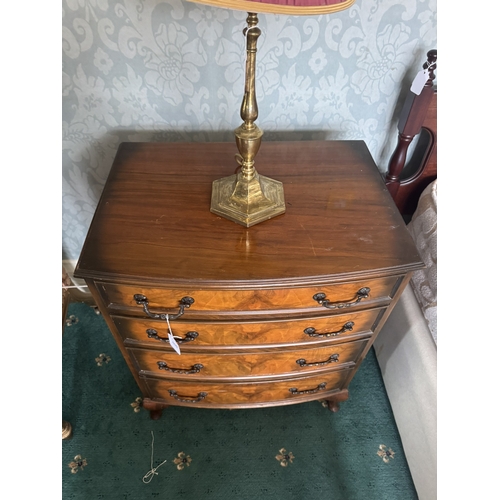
[[321, 299], [189, 337], [321, 387], [334, 358], [194, 369], [142, 300], [312, 331], [201, 396]]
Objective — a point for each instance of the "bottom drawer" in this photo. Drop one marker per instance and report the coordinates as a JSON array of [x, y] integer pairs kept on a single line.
[[247, 395]]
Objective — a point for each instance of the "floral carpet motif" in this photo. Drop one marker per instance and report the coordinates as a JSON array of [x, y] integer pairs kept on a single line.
[[284, 458], [294, 452]]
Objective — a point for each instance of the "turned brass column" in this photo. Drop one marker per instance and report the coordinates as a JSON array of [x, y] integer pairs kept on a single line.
[[247, 197]]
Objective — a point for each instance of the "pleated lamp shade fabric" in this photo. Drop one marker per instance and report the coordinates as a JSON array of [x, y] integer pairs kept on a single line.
[[291, 7]]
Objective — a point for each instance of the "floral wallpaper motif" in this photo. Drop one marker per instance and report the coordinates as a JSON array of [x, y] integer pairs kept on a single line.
[[172, 70]]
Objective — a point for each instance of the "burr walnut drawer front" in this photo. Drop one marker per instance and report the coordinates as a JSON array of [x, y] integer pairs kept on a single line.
[[210, 333], [244, 394], [191, 302], [228, 363]]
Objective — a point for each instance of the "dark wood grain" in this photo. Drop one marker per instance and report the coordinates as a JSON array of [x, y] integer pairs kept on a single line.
[[259, 363], [245, 395], [245, 334], [153, 234], [419, 115], [425, 170], [153, 221], [233, 301]]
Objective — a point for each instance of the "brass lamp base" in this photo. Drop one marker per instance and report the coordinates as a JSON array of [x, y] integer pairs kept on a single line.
[[247, 202], [67, 430], [248, 198]]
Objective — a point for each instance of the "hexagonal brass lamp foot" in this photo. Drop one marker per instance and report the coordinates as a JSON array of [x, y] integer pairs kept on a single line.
[[247, 203], [248, 198]]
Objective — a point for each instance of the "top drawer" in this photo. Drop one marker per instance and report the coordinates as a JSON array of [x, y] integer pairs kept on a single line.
[[359, 294]]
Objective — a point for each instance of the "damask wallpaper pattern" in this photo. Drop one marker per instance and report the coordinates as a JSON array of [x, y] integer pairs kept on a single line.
[[171, 70]]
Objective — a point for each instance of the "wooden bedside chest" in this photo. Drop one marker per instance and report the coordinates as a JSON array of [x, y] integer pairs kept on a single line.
[[280, 313]]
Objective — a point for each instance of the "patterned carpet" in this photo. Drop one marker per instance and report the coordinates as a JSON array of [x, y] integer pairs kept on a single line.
[[291, 452]]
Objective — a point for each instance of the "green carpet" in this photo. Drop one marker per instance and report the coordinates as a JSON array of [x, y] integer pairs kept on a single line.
[[221, 454]]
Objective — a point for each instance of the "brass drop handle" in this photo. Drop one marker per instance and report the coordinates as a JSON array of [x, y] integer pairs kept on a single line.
[[194, 369], [312, 331], [142, 300], [321, 387], [321, 299], [201, 396], [334, 358], [189, 337]]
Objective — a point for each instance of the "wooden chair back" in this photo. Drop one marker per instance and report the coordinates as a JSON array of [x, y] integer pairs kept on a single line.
[[419, 115]]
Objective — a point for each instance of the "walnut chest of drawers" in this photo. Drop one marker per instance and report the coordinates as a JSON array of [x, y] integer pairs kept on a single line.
[[279, 313]]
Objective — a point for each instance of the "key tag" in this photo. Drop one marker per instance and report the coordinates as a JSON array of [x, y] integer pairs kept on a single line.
[[171, 338], [421, 79], [419, 82]]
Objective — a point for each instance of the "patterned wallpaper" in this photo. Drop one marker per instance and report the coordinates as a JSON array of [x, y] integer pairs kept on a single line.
[[171, 70]]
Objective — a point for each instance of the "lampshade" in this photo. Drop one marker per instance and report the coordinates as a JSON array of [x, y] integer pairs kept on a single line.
[[247, 197], [291, 7]]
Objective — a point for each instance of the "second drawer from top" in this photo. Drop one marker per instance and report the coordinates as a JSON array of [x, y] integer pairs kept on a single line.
[[315, 330]]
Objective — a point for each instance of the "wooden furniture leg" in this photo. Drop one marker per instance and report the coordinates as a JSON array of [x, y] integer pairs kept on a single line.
[[256, 331], [154, 407], [333, 401]]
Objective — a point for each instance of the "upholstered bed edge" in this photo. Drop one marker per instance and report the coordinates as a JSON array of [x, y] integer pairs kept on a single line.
[[407, 356]]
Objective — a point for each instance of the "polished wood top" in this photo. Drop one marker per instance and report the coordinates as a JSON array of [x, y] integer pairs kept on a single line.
[[153, 222]]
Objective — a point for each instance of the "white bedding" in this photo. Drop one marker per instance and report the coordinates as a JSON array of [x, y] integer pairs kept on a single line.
[[407, 356], [406, 350], [423, 228]]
